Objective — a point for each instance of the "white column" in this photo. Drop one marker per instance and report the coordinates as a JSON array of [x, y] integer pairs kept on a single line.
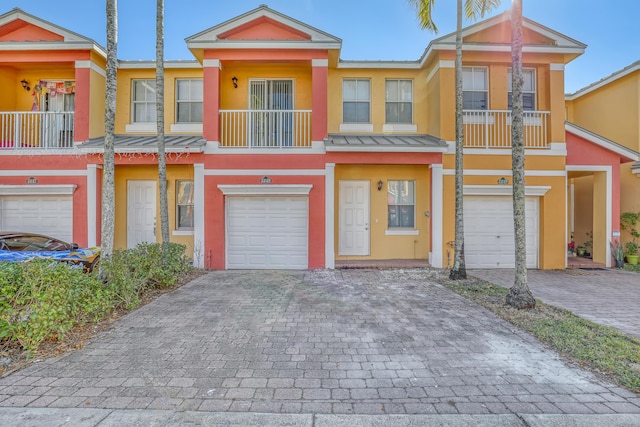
[[198, 215], [435, 256], [92, 214], [329, 244]]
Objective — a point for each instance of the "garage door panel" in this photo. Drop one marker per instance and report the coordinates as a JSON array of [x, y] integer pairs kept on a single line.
[[49, 215], [267, 232], [489, 233]]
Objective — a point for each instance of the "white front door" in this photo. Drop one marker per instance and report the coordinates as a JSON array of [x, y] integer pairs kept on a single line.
[[141, 212], [354, 218]]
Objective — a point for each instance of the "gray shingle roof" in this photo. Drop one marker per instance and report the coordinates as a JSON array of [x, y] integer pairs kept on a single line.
[[148, 143], [382, 141]]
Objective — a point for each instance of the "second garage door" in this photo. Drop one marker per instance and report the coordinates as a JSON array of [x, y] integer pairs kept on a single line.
[[49, 215], [267, 232], [488, 232]]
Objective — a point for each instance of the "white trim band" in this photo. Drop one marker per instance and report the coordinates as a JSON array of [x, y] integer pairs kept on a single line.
[[265, 172], [266, 189], [38, 190], [504, 190]]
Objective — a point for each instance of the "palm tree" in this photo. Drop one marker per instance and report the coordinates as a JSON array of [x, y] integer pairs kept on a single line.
[[519, 295], [108, 172], [473, 9], [162, 160]]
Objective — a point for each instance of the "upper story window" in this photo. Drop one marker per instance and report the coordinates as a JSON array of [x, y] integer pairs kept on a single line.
[[401, 205], [475, 88], [528, 89], [399, 101], [143, 100], [189, 101], [356, 101]]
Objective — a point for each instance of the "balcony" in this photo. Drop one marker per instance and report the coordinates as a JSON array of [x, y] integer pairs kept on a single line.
[[277, 129], [36, 130], [492, 129]]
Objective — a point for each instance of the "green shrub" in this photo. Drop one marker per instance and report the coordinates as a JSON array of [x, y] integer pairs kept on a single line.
[[132, 271], [43, 299]]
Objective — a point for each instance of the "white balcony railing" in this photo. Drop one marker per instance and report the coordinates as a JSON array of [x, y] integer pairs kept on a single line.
[[32, 129], [265, 128], [492, 129]]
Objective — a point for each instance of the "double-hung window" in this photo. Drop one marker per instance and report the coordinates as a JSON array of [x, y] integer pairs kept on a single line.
[[356, 101], [143, 100], [189, 101], [399, 101], [475, 88], [184, 205], [401, 197], [528, 89]]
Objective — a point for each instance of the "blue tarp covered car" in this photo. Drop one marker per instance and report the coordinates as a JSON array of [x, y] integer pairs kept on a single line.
[[20, 247]]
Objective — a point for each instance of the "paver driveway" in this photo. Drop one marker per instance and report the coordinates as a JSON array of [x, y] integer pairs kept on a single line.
[[351, 341]]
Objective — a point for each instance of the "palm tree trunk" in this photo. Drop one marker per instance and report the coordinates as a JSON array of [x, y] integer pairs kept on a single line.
[[519, 295], [459, 270], [108, 172], [162, 160]]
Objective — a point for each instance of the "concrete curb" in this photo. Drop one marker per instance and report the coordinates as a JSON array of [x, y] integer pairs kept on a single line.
[[82, 417]]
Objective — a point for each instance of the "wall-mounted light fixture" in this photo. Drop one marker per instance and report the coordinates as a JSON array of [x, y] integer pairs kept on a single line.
[[25, 84], [235, 82], [380, 185]]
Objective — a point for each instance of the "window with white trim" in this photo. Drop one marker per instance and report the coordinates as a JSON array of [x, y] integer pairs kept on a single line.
[[143, 101], [401, 204], [528, 89], [356, 101], [475, 88], [399, 101], [184, 205], [189, 101]]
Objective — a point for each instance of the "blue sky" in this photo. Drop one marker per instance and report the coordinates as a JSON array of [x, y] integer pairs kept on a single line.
[[369, 29]]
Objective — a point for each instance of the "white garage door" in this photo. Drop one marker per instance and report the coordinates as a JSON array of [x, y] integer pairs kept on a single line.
[[488, 232], [267, 232], [50, 215]]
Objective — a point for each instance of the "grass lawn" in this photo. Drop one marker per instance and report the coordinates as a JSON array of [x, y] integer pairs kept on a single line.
[[600, 349]]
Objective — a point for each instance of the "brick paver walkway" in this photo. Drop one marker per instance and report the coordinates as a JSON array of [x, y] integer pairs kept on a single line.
[[609, 297], [351, 341]]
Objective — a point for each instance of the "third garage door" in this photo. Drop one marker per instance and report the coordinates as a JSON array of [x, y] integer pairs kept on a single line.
[[488, 232], [267, 232]]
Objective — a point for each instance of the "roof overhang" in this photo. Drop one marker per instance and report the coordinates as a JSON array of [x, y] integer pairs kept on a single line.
[[409, 143], [70, 40], [605, 81], [562, 44], [624, 152], [146, 144]]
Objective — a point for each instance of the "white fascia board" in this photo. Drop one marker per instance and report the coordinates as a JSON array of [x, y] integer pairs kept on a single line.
[[266, 189], [79, 45], [264, 44], [385, 149], [486, 47], [152, 64], [38, 190], [504, 172], [597, 85], [408, 65], [44, 172], [262, 11], [601, 141], [134, 150]]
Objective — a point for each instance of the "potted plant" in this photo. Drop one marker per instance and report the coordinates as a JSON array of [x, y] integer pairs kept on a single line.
[[631, 252], [588, 244], [581, 250], [617, 251], [628, 221]]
